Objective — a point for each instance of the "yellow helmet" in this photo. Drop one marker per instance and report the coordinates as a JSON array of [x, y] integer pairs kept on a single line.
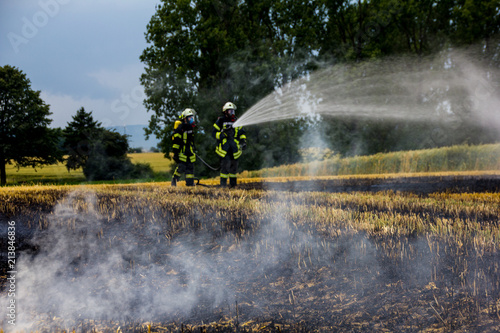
[[228, 106], [188, 112]]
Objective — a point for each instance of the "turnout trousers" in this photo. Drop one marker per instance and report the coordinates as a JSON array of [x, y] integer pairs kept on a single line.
[[188, 169], [228, 169]]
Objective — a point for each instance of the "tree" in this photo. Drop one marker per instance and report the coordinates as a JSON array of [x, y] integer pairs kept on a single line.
[[78, 137], [25, 138], [101, 153], [107, 159], [475, 20], [204, 53]]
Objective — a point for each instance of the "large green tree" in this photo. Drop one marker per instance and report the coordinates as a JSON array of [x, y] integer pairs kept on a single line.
[[25, 138], [203, 53], [474, 21]]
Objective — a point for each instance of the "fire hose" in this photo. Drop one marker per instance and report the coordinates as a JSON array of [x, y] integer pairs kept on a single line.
[[208, 165]]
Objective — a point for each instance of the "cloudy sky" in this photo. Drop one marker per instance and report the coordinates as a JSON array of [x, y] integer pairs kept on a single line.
[[80, 53]]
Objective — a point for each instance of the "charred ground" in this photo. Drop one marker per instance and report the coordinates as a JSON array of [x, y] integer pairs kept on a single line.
[[265, 261]]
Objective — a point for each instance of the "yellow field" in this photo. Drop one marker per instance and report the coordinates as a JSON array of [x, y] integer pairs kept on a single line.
[[157, 161], [49, 173], [57, 173], [464, 159], [456, 159]]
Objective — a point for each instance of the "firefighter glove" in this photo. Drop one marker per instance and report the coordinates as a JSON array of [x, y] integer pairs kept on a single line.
[[243, 144]]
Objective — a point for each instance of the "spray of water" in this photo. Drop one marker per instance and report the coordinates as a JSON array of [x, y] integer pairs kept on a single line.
[[445, 88]]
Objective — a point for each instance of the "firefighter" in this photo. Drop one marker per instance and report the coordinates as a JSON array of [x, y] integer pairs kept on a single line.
[[183, 147], [231, 142]]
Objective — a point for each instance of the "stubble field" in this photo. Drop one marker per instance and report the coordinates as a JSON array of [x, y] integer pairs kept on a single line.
[[148, 257]]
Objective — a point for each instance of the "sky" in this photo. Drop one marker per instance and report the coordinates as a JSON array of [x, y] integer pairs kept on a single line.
[[80, 53]]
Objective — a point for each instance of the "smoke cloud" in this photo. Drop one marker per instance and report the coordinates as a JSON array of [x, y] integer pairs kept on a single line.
[[91, 266], [88, 268]]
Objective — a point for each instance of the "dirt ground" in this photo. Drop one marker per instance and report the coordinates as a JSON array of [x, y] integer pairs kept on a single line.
[[417, 185]]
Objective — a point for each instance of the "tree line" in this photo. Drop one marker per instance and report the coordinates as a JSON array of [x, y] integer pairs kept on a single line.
[[27, 140], [204, 53]]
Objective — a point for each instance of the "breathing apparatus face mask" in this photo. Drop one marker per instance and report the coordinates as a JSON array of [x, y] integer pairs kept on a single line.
[[231, 114], [190, 120]]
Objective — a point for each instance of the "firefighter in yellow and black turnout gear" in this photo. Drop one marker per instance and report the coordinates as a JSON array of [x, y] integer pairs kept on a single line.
[[183, 147], [231, 141]]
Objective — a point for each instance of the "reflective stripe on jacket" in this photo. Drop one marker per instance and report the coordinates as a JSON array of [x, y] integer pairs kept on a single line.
[[184, 143], [230, 143]]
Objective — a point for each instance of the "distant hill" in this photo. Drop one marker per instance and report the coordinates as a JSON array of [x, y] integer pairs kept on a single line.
[[136, 137]]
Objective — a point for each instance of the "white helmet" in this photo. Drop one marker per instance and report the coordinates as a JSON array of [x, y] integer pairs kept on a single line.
[[188, 112], [228, 106]]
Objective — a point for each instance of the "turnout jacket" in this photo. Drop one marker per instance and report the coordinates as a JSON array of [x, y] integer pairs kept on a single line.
[[183, 145], [231, 143]]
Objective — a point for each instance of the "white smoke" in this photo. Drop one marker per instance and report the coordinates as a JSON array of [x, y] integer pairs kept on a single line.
[[89, 268]]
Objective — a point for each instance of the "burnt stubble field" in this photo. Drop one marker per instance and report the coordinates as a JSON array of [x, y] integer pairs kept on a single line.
[[151, 258]]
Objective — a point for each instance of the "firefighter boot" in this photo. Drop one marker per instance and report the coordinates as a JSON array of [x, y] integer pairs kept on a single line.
[[174, 181], [232, 182], [223, 182], [189, 181]]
